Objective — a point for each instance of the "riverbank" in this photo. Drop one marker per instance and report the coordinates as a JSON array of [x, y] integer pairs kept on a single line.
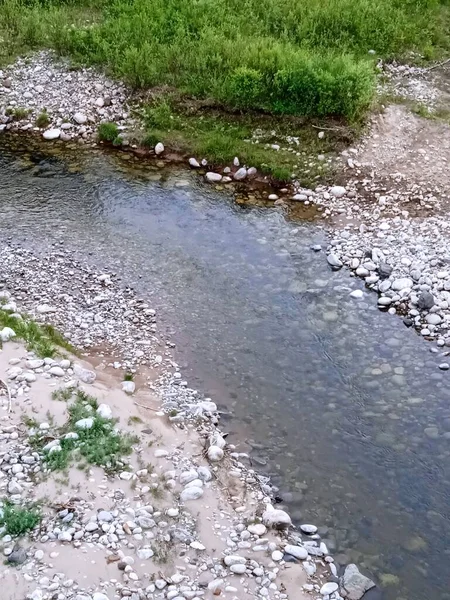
[[176, 512]]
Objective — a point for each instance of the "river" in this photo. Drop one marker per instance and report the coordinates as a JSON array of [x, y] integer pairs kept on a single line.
[[342, 405]]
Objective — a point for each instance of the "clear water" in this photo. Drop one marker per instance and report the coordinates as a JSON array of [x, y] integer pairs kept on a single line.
[[331, 397]]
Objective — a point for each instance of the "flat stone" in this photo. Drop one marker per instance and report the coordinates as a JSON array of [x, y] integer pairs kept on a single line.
[[402, 283], [57, 371], [213, 177], [80, 118], [86, 423], [334, 261], [329, 588], [51, 134], [309, 529], [297, 551], [338, 191]]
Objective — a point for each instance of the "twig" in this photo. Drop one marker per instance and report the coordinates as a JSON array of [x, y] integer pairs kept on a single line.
[[436, 66], [147, 407], [328, 128], [9, 394]]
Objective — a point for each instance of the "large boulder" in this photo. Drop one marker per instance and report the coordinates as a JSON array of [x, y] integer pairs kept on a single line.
[[354, 583]]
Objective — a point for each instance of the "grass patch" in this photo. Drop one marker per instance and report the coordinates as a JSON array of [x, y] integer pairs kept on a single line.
[[101, 445], [62, 394], [18, 113], [42, 120], [109, 132], [300, 57], [219, 137], [43, 340], [134, 420], [18, 520]]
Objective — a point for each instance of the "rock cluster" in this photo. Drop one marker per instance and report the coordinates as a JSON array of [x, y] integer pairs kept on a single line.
[[41, 93]]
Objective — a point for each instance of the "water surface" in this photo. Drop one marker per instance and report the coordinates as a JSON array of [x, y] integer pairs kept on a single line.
[[343, 406]]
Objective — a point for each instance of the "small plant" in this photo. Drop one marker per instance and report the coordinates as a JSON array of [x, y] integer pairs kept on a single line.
[[161, 551], [128, 376], [100, 445], [109, 132], [18, 520], [62, 394], [134, 420], [17, 113], [30, 422], [42, 120], [41, 339]]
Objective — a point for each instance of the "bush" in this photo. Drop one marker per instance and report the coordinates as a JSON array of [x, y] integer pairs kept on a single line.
[[17, 520], [302, 57], [245, 87], [108, 132]]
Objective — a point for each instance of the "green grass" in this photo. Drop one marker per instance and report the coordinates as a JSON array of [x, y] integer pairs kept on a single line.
[[42, 120], [62, 394], [299, 57], [218, 137], [109, 132], [44, 340], [18, 520], [100, 445]]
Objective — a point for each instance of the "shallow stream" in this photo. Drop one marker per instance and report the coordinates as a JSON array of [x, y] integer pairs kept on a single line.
[[342, 405]]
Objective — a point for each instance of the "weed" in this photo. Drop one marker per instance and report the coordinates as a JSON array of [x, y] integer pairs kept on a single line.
[[134, 420], [18, 520], [62, 394], [128, 376], [18, 113], [41, 339], [161, 551], [99, 445], [108, 132], [30, 422], [42, 120]]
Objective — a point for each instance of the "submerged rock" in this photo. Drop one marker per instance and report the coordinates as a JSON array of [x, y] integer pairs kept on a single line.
[[354, 583]]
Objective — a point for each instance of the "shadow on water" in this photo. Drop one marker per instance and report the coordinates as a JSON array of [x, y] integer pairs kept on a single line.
[[342, 406]]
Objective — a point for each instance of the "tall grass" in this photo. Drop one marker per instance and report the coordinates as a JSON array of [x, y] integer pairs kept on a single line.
[[303, 57]]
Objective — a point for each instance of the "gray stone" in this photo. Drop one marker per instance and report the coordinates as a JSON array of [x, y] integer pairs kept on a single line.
[[213, 177], [402, 283], [329, 588], [128, 387], [6, 334], [433, 319], [194, 163], [334, 261], [80, 118], [105, 516], [85, 375], [191, 493], [425, 300], [354, 583], [384, 270], [296, 551], [18, 556], [240, 174], [57, 371], [159, 148], [338, 191]]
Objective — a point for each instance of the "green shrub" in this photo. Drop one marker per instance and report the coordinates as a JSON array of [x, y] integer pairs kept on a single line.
[[18, 520], [245, 87], [108, 132], [43, 119]]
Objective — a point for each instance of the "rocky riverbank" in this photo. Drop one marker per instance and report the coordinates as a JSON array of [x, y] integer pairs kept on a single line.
[[138, 493]]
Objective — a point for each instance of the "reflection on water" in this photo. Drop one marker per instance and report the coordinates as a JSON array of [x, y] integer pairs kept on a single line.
[[343, 406]]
